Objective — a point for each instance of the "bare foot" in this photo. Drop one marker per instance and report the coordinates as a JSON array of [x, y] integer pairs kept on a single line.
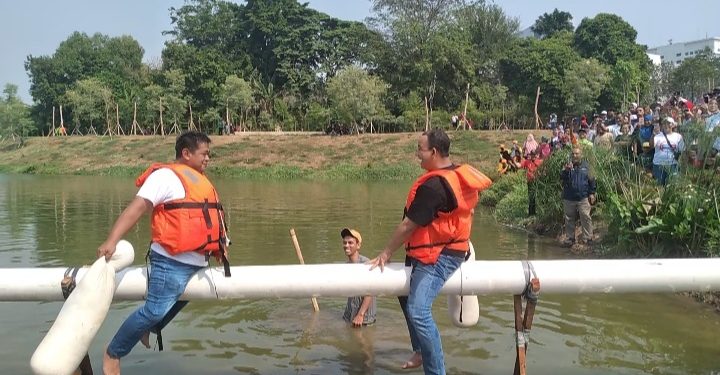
[[111, 366], [145, 339], [414, 362]]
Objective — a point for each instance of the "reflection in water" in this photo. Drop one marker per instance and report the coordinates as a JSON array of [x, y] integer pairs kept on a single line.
[[54, 221]]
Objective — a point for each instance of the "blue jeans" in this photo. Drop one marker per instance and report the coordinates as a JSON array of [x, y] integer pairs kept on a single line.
[[663, 172], [167, 281], [426, 280]]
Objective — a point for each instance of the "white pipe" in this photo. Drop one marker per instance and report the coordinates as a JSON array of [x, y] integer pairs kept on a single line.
[[336, 280], [81, 316]]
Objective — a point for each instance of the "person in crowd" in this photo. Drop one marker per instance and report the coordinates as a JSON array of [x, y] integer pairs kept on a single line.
[[531, 165], [578, 196], [516, 152], [180, 246], [505, 154], [668, 147], [623, 144], [530, 145], [644, 137], [711, 123], [502, 167], [583, 139], [552, 123], [544, 150], [603, 139], [435, 230], [615, 125], [360, 310]]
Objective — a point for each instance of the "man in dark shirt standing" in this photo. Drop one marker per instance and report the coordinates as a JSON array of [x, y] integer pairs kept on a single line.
[[578, 196], [435, 230]]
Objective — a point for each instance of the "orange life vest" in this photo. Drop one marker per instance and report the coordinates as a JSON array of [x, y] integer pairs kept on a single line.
[[193, 223], [450, 230]]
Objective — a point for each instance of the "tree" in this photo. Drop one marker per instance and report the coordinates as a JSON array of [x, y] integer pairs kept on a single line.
[[549, 24], [14, 114], [695, 76], [611, 40], [584, 81], [531, 63], [660, 84], [236, 94], [426, 51], [355, 95], [89, 99], [115, 62]]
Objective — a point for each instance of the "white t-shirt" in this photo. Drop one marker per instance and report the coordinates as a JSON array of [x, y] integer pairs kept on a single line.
[[664, 153], [614, 130], [162, 186]]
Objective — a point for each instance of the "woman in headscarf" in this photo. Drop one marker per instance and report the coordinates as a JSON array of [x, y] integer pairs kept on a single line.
[[530, 145]]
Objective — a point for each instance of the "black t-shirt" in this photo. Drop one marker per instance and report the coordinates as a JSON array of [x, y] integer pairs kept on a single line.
[[432, 196]]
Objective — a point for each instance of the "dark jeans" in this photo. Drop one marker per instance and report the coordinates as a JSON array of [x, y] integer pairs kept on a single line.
[[532, 193]]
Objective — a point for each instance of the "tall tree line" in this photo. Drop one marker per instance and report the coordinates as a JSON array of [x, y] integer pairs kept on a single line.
[[266, 64]]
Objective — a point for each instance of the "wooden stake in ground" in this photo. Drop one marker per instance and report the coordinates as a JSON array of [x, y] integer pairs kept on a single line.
[[538, 122], [52, 130], [302, 261], [427, 115]]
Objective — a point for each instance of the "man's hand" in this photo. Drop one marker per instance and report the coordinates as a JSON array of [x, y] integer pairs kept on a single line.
[[358, 320], [107, 249], [379, 261]]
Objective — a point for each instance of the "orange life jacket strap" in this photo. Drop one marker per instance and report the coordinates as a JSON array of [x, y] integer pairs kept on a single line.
[[431, 245], [198, 205]]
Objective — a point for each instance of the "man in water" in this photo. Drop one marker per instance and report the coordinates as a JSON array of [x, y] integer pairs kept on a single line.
[[360, 310]]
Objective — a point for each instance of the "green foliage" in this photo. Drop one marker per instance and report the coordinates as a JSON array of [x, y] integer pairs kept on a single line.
[[14, 114], [355, 95], [693, 76], [530, 63], [584, 81], [236, 93], [90, 100], [115, 62], [501, 187], [513, 205], [549, 24], [611, 40]]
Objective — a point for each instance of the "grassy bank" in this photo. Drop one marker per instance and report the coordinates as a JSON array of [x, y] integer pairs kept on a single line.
[[254, 155]]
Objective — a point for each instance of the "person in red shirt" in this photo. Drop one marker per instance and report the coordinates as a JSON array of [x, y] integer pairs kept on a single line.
[[531, 165]]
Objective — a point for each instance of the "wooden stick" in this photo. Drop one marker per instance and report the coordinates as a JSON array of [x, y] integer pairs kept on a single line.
[[302, 261], [520, 359]]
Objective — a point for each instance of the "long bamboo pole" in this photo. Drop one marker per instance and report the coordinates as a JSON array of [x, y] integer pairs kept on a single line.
[[302, 261]]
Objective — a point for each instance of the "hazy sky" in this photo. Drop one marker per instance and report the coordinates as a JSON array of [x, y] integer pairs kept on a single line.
[[36, 27]]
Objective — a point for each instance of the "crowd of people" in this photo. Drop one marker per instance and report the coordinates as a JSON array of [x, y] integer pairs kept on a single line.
[[648, 136]]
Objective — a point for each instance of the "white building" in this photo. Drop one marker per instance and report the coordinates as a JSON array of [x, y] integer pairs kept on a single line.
[[675, 53]]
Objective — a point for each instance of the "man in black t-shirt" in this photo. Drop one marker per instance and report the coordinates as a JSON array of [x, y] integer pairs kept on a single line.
[[435, 230]]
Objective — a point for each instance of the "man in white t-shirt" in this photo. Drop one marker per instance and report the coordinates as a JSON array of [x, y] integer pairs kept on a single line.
[[179, 248]]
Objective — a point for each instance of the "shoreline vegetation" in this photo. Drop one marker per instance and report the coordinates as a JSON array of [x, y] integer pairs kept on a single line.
[[254, 155]]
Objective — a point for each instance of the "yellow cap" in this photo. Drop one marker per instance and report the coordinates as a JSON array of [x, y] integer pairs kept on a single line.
[[352, 233]]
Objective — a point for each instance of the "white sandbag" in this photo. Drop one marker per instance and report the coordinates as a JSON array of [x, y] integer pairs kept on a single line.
[[81, 316], [464, 310]]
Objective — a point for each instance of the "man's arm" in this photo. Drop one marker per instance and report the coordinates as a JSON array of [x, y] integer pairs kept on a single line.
[[401, 235], [360, 316], [127, 219]]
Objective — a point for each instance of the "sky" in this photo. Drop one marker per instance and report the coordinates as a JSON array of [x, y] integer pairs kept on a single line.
[[36, 27]]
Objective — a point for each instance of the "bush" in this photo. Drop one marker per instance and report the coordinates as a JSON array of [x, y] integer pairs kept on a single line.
[[513, 206], [501, 188]]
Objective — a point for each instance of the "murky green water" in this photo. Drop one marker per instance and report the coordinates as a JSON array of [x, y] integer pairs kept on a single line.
[[58, 221]]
